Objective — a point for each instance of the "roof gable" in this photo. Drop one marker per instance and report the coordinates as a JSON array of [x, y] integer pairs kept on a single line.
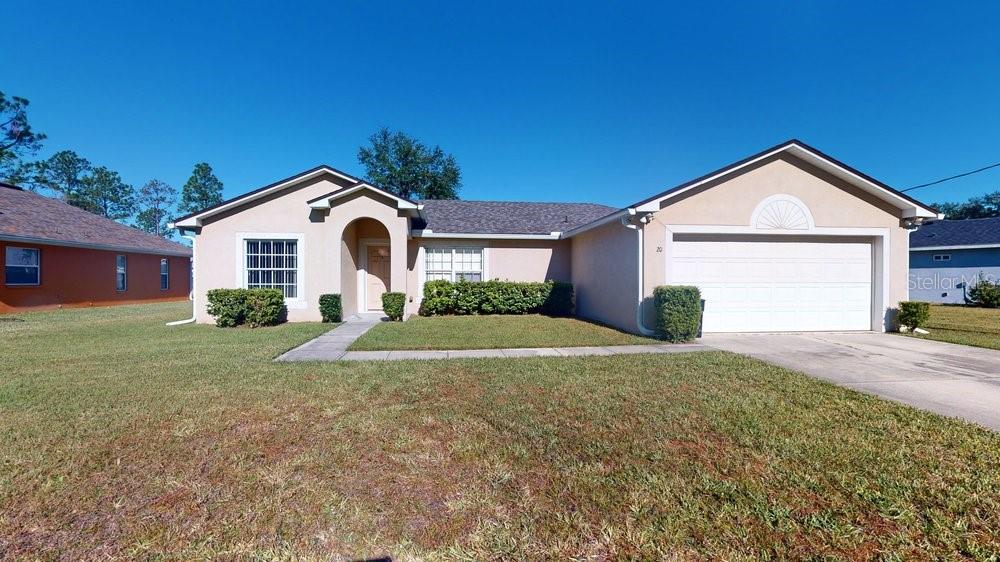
[[194, 219], [329, 200], [910, 207]]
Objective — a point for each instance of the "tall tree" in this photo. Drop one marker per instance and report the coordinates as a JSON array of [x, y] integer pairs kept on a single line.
[[106, 194], [65, 172], [981, 207], [407, 168], [17, 140], [201, 191], [155, 200]]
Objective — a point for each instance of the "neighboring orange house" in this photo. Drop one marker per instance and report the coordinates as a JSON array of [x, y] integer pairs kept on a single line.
[[57, 255]]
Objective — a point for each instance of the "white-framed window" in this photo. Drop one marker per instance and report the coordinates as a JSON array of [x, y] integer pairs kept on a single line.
[[121, 272], [164, 274], [942, 257], [22, 266], [453, 263], [272, 264]]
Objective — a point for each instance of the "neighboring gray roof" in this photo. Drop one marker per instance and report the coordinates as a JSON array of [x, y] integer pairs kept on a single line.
[[970, 232], [508, 217], [33, 217]]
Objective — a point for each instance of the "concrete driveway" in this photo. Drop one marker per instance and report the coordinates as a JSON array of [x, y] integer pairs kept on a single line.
[[953, 380]]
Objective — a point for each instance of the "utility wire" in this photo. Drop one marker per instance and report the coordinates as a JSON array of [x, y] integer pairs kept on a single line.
[[984, 168]]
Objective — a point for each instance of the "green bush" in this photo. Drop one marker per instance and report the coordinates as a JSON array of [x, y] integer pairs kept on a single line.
[[264, 307], [438, 298], [393, 305], [985, 293], [253, 307], [678, 312], [497, 297], [914, 314], [228, 306], [331, 308]]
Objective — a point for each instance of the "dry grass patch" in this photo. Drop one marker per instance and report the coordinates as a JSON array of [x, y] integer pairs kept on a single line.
[[123, 439]]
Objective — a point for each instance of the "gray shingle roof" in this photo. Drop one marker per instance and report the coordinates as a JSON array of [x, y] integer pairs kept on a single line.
[[971, 232], [28, 215], [508, 217]]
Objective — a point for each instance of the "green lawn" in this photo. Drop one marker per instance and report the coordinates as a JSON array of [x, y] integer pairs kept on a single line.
[[121, 438], [966, 325], [491, 332]]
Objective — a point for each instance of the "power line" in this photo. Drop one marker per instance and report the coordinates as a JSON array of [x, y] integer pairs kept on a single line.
[[984, 168]]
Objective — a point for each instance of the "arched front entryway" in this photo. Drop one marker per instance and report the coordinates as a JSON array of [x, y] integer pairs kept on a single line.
[[366, 265]]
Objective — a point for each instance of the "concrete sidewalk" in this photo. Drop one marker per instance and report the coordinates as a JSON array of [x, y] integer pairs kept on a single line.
[[520, 352], [332, 346]]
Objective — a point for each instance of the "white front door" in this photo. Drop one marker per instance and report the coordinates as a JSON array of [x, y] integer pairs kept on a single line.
[[776, 286]]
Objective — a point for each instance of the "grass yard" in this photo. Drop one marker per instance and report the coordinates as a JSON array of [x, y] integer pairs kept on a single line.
[[966, 325], [491, 332], [121, 438]]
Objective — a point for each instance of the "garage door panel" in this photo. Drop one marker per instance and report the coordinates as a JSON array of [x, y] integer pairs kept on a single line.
[[778, 286]]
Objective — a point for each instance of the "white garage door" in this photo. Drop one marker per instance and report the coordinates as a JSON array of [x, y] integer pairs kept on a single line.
[[776, 286]]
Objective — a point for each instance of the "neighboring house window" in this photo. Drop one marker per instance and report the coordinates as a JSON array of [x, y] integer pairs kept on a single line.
[[942, 257], [164, 274], [121, 272], [453, 264], [22, 266], [273, 264]]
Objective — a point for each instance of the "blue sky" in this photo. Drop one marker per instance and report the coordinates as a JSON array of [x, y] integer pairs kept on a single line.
[[566, 101]]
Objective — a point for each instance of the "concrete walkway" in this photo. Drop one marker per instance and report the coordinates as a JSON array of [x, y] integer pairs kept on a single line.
[[954, 380], [333, 344]]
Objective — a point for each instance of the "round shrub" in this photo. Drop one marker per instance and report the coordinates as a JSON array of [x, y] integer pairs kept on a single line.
[[331, 307], [678, 312], [393, 305], [914, 314]]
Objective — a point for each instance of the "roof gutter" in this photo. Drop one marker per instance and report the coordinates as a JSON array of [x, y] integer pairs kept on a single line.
[[428, 233], [956, 247], [87, 246]]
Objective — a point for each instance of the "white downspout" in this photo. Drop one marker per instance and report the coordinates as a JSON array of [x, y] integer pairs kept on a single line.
[[638, 305], [194, 293]]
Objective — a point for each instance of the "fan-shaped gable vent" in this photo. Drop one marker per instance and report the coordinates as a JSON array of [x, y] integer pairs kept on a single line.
[[782, 212]]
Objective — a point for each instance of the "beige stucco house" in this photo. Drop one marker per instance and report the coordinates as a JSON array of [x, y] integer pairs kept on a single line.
[[788, 239]]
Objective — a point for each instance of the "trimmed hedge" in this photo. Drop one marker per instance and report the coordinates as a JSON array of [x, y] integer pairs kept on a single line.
[[554, 298], [678, 312], [331, 307], [985, 293], [393, 305], [253, 307], [914, 314]]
